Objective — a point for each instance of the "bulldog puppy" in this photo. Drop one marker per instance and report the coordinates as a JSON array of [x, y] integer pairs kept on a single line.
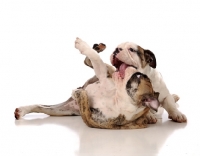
[[129, 54], [117, 102]]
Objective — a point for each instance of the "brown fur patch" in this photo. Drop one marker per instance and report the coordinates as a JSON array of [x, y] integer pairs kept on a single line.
[[145, 87]]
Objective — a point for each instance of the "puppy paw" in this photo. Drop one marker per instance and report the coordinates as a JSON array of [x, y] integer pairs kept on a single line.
[[99, 47], [19, 113], [151, 118], [82, 46], [177, 117]]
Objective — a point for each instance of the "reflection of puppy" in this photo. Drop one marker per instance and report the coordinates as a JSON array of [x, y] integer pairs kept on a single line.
[[129, 54], [114, 103]]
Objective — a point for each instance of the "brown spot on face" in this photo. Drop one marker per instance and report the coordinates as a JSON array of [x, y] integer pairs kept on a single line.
[[145, 87], [146, 96]]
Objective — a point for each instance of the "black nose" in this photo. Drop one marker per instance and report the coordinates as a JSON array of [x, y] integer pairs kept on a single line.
[[116, 51]]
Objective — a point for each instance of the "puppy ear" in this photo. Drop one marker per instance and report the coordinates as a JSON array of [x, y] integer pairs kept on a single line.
[[150, 58]]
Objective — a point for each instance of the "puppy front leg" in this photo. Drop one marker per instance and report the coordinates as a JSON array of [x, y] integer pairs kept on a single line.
[[170, 106], [98, 65], [98, 48]]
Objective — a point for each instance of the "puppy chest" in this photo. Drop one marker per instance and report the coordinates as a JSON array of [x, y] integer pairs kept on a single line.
[[99, 91]]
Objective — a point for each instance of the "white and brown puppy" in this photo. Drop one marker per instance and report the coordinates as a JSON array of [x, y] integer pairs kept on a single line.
[[117, 102], [129, 54]]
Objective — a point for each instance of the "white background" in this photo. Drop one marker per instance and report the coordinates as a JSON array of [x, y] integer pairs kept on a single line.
[[39, 64]]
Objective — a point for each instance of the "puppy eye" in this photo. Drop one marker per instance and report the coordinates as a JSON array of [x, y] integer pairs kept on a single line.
[[120, 49], [132, 50]]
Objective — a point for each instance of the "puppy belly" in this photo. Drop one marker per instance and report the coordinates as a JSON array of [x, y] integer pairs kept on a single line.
[[104, 106]]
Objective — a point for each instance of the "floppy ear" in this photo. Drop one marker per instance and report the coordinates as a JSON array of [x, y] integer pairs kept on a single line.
[[150, 58]]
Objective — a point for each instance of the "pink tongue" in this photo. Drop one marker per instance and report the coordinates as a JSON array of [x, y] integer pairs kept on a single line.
[[122, 69]]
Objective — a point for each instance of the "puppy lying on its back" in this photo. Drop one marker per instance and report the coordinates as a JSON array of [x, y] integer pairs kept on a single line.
[[117, 103]]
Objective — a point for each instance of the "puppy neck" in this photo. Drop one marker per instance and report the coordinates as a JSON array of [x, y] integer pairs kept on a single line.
[[147, 70]]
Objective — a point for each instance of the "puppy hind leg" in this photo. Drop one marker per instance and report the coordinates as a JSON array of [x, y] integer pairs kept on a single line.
[[69, 107], [64, 109]]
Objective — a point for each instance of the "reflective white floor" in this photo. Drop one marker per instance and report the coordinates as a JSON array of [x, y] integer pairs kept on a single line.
[[41, 135]]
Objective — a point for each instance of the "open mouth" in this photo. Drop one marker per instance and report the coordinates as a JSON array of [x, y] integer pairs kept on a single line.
[[120, 66], [151, 102]]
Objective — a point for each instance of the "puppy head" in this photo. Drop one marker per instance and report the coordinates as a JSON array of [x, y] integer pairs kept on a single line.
[[139, 88], [132, 55]]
